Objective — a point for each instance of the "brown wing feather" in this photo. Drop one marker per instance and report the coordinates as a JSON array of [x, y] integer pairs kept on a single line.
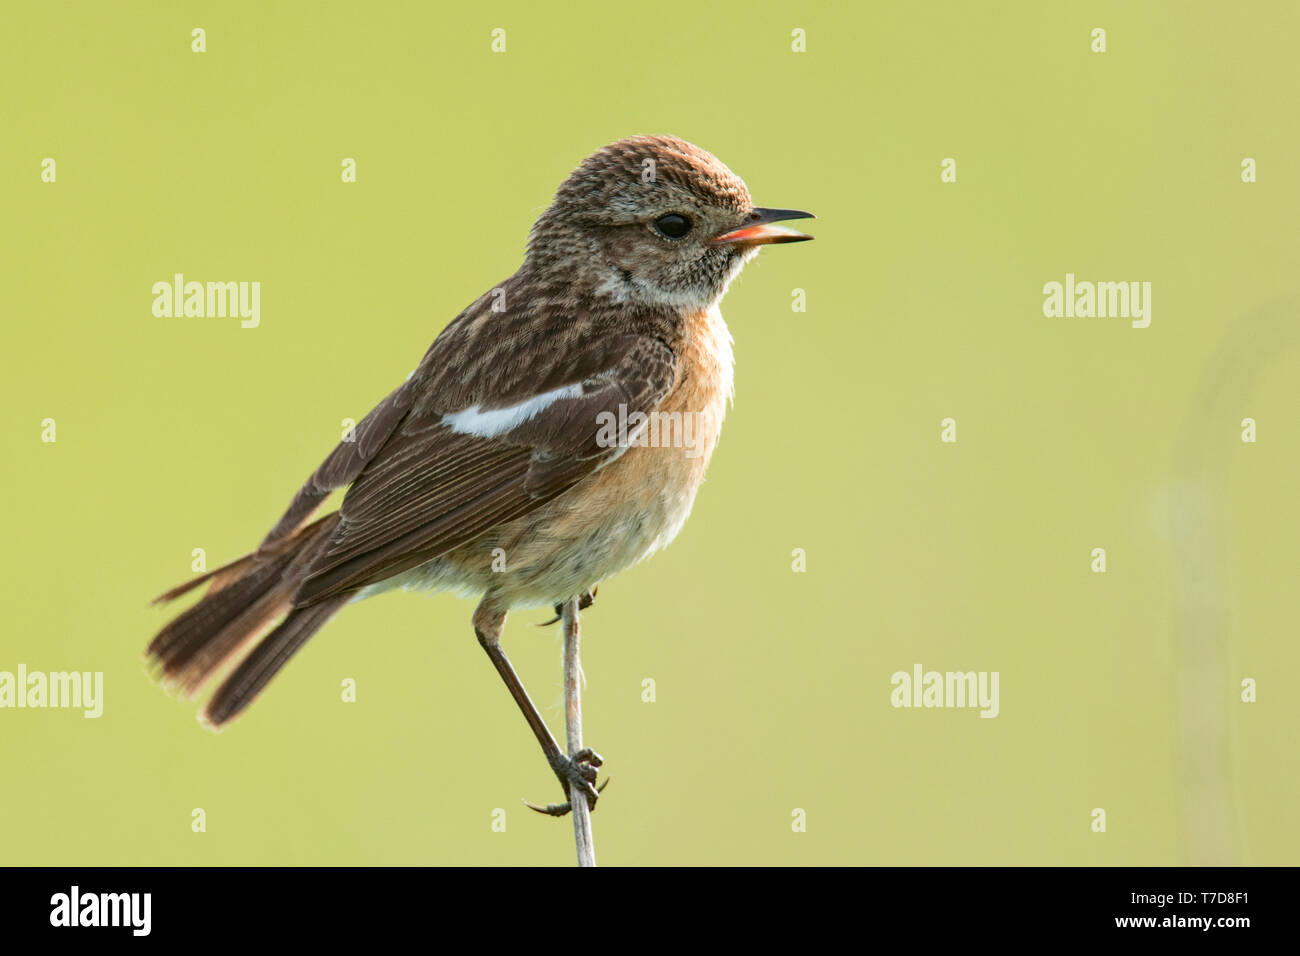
[[430, 489]]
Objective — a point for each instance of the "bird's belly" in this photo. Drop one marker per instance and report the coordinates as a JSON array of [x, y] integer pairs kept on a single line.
[[610, 521]]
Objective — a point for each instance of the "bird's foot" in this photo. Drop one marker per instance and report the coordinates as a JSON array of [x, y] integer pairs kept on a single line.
[[578, 770], [584, 602]]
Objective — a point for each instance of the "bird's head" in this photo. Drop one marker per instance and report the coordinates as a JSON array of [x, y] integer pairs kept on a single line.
[[653, 220]]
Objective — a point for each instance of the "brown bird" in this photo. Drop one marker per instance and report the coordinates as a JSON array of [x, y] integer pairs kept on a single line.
[[555, 433]]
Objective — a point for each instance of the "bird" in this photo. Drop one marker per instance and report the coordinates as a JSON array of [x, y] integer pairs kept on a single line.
[[555, 433]]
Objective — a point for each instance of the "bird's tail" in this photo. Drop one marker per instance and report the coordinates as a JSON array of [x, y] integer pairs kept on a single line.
[[244, 598]]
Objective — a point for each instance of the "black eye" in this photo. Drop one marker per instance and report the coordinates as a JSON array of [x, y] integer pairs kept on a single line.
[[673, 225]]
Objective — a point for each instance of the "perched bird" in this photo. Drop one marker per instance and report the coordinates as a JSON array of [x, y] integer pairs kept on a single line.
[[555, 433]]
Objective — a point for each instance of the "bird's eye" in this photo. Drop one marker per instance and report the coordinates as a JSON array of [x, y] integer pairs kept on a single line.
[[673, 225]]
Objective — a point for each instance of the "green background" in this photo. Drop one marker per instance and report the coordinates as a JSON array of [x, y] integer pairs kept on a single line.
[[924, 301]]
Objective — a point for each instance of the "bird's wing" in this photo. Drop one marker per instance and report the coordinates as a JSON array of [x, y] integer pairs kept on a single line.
[[443, 474]]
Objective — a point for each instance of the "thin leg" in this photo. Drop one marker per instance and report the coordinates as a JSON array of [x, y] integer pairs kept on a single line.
[[580, 769]]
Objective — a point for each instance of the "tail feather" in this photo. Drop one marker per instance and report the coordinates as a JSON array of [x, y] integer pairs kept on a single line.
[[248, 625], [272, 652], [182, 640], [220, 577], [217, 579], [244, 598]]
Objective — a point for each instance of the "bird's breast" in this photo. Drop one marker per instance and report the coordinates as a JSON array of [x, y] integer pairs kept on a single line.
[[639, 502], [647, 493]]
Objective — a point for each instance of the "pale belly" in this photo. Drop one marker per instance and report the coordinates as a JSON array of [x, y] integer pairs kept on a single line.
[[593, 531]]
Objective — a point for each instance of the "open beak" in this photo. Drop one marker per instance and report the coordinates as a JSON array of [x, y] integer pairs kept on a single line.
[[757, 229]]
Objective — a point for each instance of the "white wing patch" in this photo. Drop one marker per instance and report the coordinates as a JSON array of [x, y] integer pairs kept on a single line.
[[492, 422]]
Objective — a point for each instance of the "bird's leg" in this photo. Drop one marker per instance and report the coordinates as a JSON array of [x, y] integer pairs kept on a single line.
[[580, 769], [584, 602]]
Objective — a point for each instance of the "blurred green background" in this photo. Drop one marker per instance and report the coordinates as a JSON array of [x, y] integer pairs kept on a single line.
[[924, 301]]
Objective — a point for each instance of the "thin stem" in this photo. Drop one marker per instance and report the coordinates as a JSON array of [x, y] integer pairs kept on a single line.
[[573, 720]]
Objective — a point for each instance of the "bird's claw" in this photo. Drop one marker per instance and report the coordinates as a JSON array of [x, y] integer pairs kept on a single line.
[[579, 770], [560, 809], [576, 771]]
